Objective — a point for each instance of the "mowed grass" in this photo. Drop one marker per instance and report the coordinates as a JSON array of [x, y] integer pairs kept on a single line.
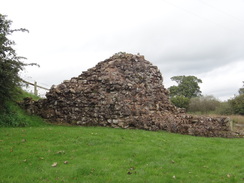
[[97, 154]]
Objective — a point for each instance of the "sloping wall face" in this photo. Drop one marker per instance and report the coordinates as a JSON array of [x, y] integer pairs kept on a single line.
[[123, 91]]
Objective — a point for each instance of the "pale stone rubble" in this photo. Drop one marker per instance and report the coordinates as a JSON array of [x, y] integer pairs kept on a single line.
[[124, 91]]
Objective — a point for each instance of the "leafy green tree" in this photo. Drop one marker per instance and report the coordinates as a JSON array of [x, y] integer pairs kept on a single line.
[[237, 104], [10, 63], [187, 88]]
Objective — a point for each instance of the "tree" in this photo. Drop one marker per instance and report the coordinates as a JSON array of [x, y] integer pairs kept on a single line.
[[187, 88], [10, 63], [241, 90], [237, 104]]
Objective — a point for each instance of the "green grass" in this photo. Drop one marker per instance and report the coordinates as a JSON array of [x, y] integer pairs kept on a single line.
[[14, 116], [29, 147], [96, 154], [25, 94], [17, 117]]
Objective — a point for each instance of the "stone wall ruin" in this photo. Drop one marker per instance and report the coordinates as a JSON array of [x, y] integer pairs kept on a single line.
[[124, 91]]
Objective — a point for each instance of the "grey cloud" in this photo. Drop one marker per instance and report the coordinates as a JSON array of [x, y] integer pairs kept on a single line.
[[180, 37]]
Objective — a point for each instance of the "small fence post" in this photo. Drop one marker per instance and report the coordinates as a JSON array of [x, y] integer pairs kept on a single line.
[[231, 125], [35, 88]]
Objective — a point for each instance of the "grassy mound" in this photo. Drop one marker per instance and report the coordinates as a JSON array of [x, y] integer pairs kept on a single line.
[[14, 116]]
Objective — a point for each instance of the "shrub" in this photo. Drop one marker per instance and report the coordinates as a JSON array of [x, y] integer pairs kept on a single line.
[[180, 101], [203, 104], [224, 109]]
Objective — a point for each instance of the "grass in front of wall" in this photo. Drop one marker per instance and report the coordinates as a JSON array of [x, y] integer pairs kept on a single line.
[[14, 116], [96, 154], [17, 117]]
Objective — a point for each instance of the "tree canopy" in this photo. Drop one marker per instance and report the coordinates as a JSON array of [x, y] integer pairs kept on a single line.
[[187, 86]]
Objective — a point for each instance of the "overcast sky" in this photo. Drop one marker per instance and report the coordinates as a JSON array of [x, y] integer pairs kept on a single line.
[[204, 38]]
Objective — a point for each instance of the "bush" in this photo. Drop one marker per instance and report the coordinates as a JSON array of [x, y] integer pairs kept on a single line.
[[224, 109], [237, 104], [180, 101], [203, 104]]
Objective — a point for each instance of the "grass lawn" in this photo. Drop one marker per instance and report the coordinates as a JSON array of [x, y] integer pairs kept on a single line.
[[96, 154]]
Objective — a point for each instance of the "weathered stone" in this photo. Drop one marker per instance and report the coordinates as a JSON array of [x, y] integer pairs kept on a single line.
[[123, 91]]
